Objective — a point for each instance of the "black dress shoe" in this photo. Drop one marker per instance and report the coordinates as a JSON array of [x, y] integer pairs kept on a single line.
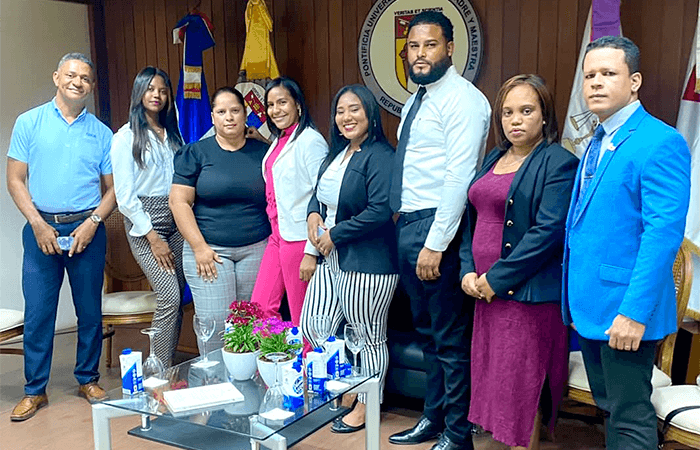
[[341, 427], [423, 431], [446, 444]]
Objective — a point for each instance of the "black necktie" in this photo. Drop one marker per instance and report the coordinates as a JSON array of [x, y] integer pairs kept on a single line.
[[397, 177]]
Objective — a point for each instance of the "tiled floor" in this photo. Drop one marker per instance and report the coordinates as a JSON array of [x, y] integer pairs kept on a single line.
[[67, 424]]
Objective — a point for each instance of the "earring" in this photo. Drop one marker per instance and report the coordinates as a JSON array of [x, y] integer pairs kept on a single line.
[[544, 122], [299, 110]]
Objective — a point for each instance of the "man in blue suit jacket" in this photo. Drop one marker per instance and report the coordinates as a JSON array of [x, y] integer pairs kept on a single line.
[[624, 227]]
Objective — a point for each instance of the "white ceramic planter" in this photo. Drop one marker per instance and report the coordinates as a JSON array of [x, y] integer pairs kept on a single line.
[[241, 366]]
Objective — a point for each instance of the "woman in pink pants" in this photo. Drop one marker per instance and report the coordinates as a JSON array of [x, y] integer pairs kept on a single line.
[[290, 169]]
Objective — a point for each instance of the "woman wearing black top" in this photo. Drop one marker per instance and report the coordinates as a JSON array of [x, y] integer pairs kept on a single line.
[[218, 201]]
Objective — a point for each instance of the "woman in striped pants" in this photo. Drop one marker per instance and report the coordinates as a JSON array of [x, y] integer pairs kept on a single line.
[[349, 223], [142, 162]]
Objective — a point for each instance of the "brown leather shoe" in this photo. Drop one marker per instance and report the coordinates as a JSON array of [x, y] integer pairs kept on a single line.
[[28, 406], [92, 392]]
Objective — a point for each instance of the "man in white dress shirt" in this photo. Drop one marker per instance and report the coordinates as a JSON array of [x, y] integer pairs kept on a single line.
[[442, 137]]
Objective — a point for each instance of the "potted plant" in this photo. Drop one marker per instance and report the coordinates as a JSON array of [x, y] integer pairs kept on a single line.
[[271, 334], [240, 343]]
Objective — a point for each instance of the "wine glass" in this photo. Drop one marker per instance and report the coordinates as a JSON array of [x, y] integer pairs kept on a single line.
[[204, 326], [153, 367], [320, 329], [355, 339], [273, 402]]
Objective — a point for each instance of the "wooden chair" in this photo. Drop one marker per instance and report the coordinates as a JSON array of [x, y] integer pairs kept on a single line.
[[579, 389], [684, 428], [11, 325], [127, 297]]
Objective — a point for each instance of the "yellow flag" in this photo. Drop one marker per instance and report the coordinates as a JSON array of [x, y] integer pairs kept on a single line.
[[258, 58]]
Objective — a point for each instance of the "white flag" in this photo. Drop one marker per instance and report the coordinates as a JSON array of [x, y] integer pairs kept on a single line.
[[689, 126], [579, 122]]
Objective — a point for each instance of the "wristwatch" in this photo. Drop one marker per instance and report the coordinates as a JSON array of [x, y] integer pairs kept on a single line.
[[96, 219]]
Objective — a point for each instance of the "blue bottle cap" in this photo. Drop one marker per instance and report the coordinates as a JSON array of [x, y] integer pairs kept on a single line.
[[331, 339], [126, 351], [294, 330], [318, 350]]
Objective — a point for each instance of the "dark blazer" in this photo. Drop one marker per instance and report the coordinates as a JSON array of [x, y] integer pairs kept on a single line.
[[529, 269], [364, 234]]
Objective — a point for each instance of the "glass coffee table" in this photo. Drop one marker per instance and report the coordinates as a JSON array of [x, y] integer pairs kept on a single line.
[[233, 425]]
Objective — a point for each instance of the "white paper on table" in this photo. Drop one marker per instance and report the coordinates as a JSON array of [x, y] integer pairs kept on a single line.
[[201, 397]]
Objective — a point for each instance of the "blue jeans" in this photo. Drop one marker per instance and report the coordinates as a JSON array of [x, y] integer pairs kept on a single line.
[[42, 276]]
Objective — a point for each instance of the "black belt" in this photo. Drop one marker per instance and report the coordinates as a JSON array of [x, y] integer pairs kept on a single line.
[[66, 217], [407, 218]]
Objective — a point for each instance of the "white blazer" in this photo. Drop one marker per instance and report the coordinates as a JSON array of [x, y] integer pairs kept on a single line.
[[295, 172]]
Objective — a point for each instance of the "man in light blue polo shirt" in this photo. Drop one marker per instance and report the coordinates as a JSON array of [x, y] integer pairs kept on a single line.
[[58, 156]]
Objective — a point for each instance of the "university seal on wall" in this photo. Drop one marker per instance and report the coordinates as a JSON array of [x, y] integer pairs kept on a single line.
[[382, 47]]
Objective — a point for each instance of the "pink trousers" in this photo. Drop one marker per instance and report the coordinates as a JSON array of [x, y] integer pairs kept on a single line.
[[279, 272]]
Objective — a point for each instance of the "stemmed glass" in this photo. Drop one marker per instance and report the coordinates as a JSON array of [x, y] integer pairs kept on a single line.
[[320, 329], [153, 367], [204, 326], [355, 339], [273, 402]]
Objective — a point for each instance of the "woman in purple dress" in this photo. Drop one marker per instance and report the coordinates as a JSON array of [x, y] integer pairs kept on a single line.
[[511, 256]]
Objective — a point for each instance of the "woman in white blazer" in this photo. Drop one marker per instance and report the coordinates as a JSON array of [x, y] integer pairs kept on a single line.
[[290, 169]]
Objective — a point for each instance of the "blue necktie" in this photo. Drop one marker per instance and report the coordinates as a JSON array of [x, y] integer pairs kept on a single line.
[[591, 164], [397, 175]]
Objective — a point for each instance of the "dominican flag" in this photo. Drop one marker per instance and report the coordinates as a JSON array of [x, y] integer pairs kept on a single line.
[[603, 20], [689, 126], [194, 31]]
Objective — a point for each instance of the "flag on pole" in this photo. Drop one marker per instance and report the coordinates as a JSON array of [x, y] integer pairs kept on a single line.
[[258, 58], [194, 31], [689, 126], [603, 20]]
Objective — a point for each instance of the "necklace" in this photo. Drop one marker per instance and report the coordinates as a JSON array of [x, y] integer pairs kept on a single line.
[[507, 164]]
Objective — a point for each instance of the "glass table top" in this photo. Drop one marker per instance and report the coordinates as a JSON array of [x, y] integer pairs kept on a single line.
[[240, 418]]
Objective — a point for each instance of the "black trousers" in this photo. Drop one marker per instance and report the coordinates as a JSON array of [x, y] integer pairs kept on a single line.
[[621, 386], [443, 315]]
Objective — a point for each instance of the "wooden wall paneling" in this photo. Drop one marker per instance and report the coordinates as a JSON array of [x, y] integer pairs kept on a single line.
[[150, 39], [129, 45], [140, 43], [115, 63], [208, 54], [491, 77], [322, 35], [547, 56], [174, 52], [338, 50], [510, 39], [566, 58], [529, 35], [233, 23], [280, 33], [350, 34], [221, 75], [649, 44], [671, 66], [164, 37]]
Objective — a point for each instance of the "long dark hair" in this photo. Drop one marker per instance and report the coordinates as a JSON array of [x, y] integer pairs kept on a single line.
[[137, 115], [375, 132], [294, 90]]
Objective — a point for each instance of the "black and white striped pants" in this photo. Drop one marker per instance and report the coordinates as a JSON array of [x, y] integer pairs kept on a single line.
[[360, 298], [168, 287]]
